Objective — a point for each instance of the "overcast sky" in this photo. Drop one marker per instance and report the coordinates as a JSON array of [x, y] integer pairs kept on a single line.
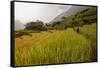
[[26, 12]]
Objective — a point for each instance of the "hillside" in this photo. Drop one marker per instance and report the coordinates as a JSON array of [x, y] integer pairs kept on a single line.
[[71, 11], [86, 16]]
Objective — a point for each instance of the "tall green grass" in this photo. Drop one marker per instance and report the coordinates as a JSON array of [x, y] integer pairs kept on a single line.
[[63, 47], [89, 31]]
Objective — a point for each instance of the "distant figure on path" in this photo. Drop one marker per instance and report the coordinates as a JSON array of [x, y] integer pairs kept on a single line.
[[75, 26], [77, 30]]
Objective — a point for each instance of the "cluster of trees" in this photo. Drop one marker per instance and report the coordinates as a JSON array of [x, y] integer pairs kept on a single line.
[[38, 25], [41, 26], [57, 26]]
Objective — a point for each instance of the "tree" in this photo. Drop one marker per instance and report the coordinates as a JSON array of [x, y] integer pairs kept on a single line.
[[38, 25]]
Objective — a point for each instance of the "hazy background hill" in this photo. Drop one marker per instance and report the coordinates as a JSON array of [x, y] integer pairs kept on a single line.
[[19, 25]]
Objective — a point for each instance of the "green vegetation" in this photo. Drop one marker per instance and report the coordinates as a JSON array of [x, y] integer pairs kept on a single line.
[[20, 33], [60, 42], [89, 31], [87, 16], [63, 47]]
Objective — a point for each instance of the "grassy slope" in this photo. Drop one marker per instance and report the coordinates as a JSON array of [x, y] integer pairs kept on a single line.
[[51, 48], [89, 31]]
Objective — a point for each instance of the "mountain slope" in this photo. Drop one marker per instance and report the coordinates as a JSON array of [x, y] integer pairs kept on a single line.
[[72, 10], [86, 16]]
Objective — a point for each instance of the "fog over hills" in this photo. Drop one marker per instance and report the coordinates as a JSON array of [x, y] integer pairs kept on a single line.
[[72, 10], [19, 25]]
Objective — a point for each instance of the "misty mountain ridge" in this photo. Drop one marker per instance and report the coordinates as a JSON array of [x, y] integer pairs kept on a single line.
[[72, 10], [19, 25]]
